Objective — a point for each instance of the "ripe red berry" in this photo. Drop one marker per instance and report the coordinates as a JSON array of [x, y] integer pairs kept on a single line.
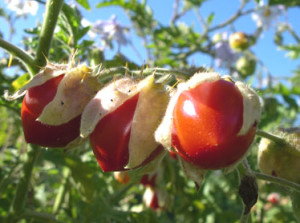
[[210, 121], [148, 180], [36, 98], [206, 122], [121, 120], [273, 198], [53, 103]]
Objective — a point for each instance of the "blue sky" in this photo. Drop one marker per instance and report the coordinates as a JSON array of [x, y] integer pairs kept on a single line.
[[265, 48]]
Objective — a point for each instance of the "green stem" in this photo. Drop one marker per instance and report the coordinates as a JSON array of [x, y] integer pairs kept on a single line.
[[42, 217], [53, 8], [109, 72], [277, 180], [270, 136], [19, 200], [21, 54], [61, 192], [292, 32], [245, 218]]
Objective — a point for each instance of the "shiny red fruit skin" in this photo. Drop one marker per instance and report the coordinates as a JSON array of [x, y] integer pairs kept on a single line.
[[206, 121], [37, 133], [110, 138]]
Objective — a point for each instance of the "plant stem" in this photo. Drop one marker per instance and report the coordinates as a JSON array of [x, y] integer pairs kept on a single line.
[[123, 70], [277, 180], [21, 54], [19, 200], [245, 217], [43, 217], [61, 192], [53, 8], [270, 136]]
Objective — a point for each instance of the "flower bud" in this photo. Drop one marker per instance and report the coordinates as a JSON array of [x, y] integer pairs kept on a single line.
[[121, 120]]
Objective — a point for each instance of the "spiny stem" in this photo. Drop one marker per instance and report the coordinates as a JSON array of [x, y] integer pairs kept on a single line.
[[277, 180], [21, 54], [121, 70], [53, 8]]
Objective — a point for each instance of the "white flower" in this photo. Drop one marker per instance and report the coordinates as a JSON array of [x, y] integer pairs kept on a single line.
[[22, 7], [108, 30], [265, 15], [225, 56]]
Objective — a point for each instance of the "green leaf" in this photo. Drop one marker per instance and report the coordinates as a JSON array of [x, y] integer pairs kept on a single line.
[[289, 3], [83, 176], [20, 81], [196, 3], [110, 3], [84, 3], [210, 18]]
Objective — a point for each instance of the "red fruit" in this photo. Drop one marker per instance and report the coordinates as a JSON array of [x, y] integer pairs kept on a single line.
[[154, 202], [110, 138], [210, 122], [156, 198], [36, 98], [121, 120], [148, 180], [207, 120], [273, 198]]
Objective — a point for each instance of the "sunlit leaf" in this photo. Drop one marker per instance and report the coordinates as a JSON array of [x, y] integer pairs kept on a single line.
[[84, 3]]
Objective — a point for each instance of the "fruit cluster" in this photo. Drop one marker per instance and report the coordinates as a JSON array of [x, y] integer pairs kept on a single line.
[[210, 121]]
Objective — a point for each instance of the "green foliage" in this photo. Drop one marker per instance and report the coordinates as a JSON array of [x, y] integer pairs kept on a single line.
[[290, 3], [84, 3], [69, 186]]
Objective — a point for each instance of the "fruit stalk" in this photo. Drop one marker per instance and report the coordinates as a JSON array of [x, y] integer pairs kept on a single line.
[[270, 136], [27, 60], [277, 180]]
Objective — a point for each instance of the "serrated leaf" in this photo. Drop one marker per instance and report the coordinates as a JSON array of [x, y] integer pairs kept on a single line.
[[84, 3]]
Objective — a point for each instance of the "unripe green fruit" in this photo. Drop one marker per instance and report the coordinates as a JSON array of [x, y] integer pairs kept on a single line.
[[281, 160], [239, 41], [246, 65]]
